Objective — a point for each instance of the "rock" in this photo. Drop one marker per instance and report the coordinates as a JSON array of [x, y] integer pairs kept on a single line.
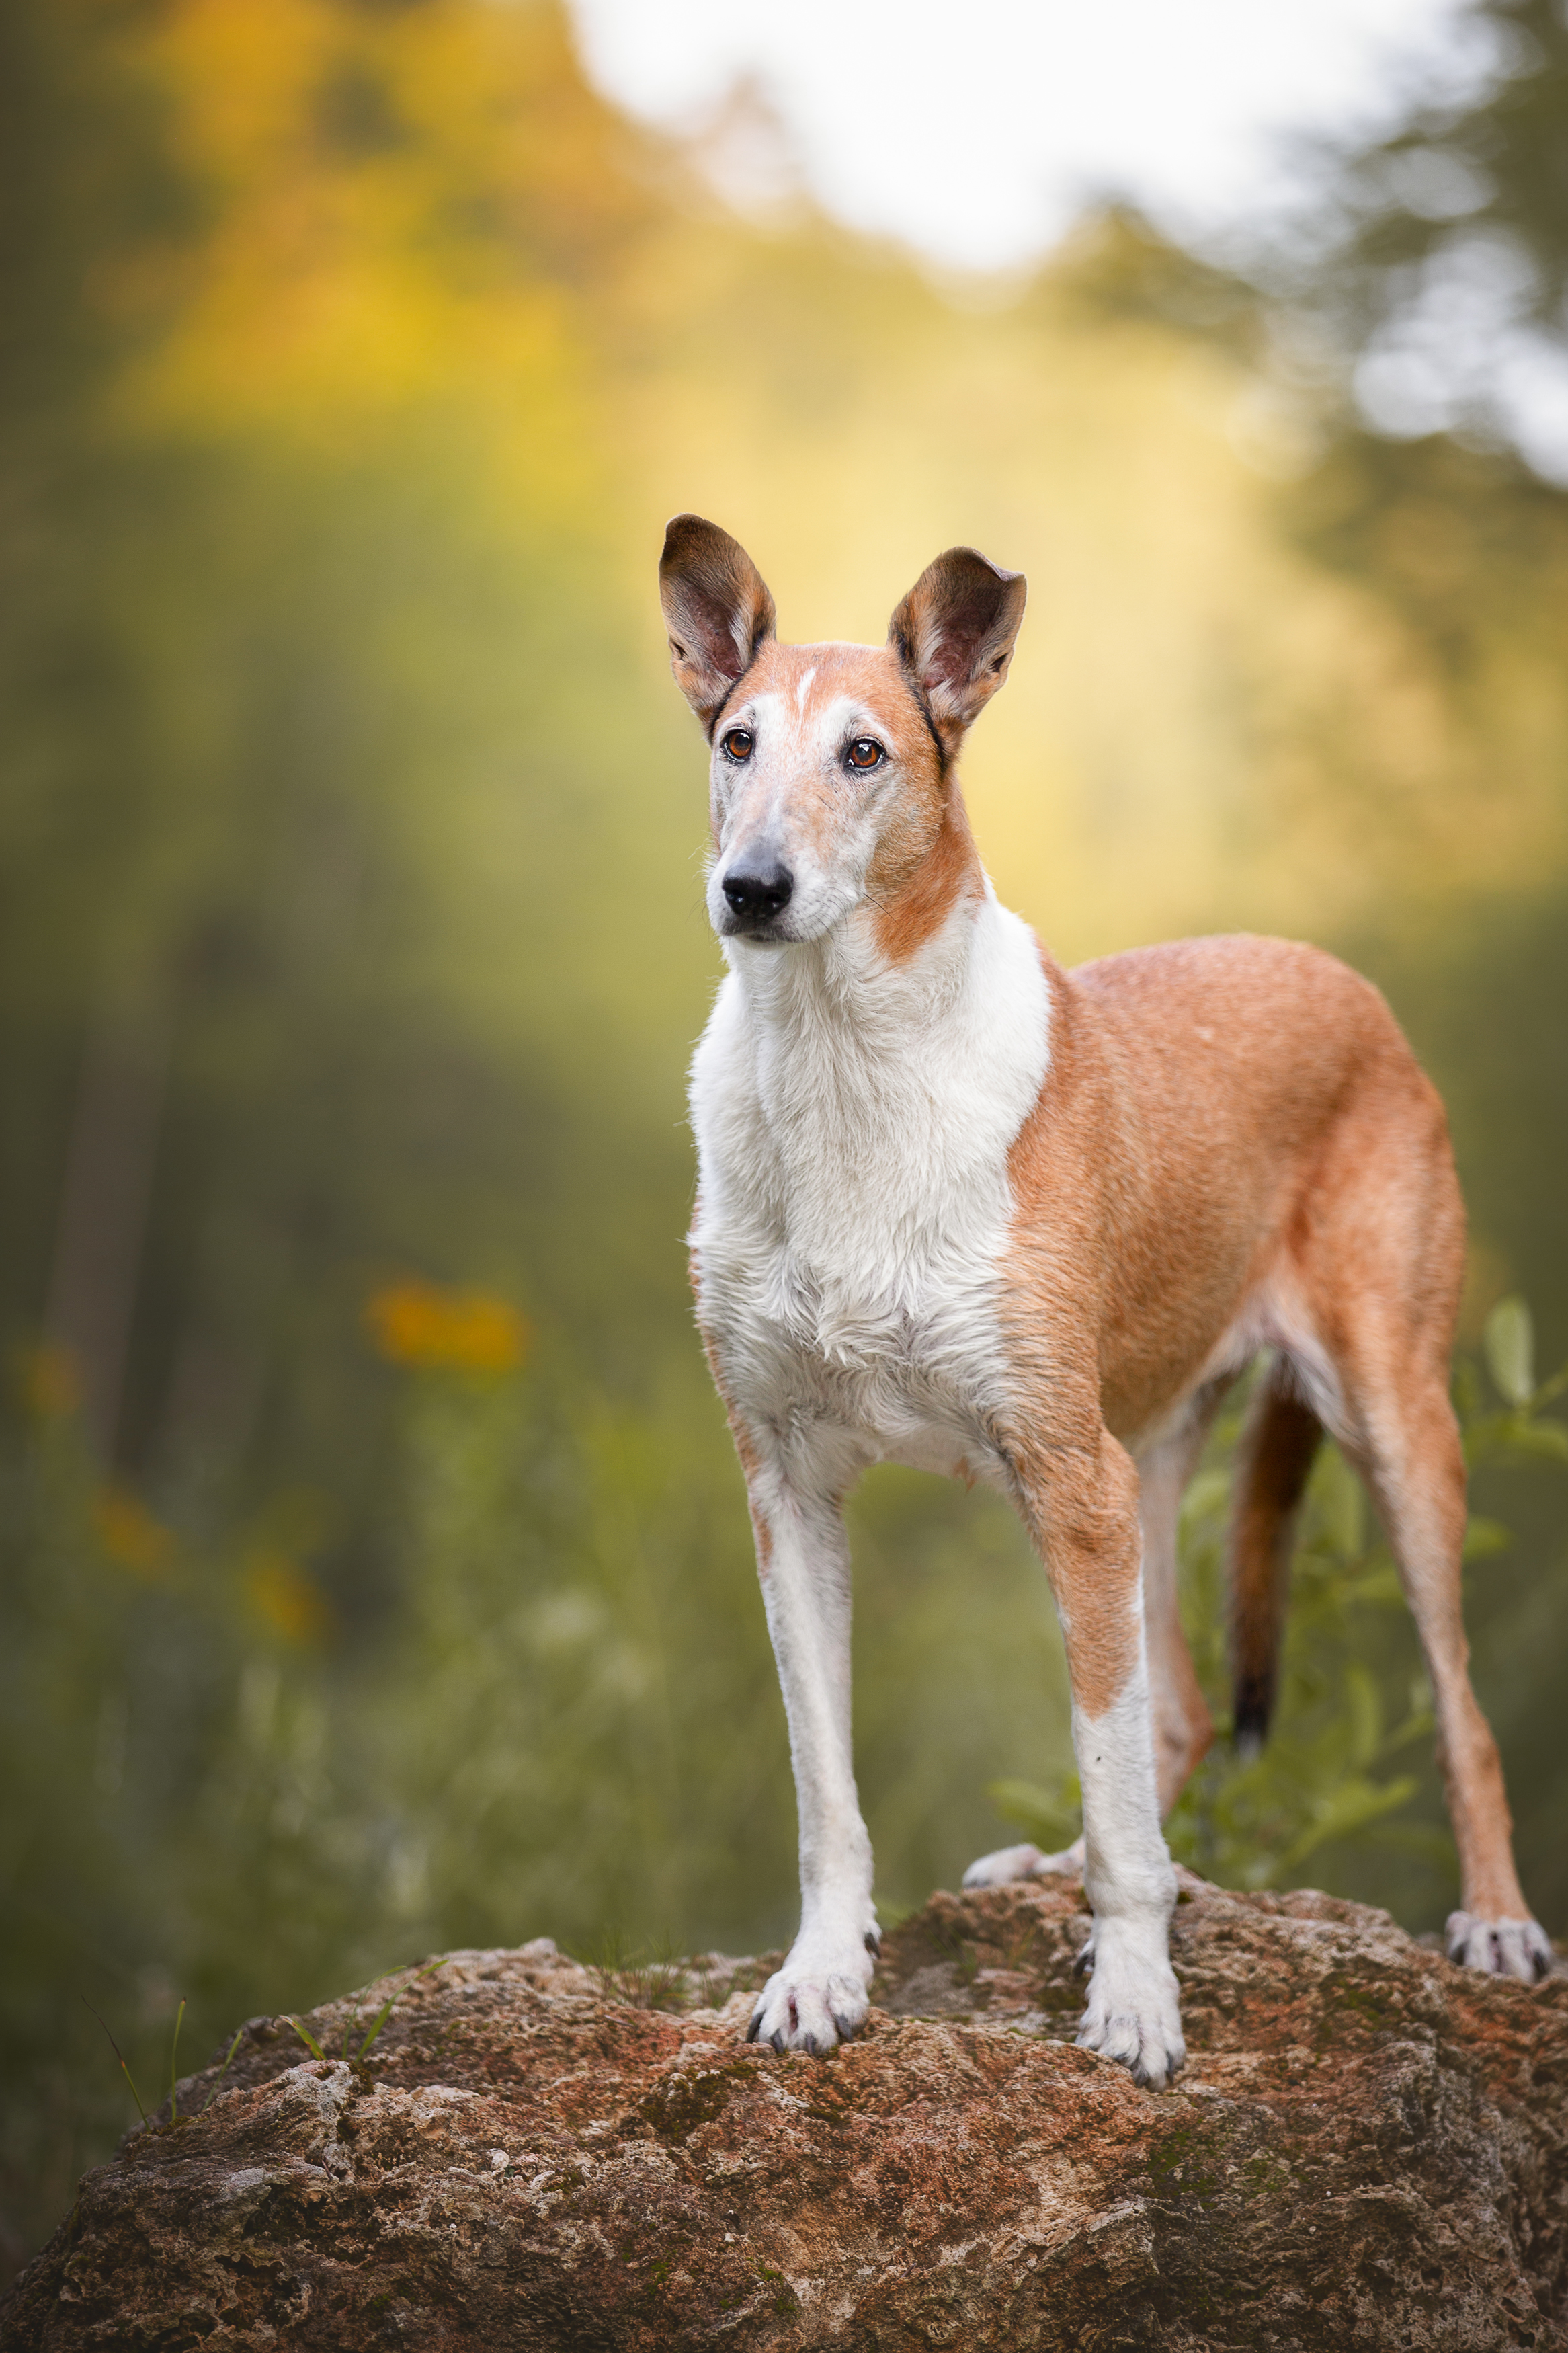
[[1366, 2149]]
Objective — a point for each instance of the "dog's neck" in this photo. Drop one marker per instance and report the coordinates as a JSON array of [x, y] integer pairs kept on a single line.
[[844, 987], [853, 1056], [855, 1119]]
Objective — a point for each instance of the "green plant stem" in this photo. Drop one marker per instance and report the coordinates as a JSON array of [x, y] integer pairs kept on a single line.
[[124, 2068], [173, 2065], [228, 2061]]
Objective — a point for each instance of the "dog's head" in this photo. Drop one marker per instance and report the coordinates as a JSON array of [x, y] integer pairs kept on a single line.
[[831, 784]]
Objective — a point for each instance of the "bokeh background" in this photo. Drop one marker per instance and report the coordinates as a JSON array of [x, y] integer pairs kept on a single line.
[[376, 1577]]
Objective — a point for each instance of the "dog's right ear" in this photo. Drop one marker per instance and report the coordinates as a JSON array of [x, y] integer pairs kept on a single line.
[[717, 609]]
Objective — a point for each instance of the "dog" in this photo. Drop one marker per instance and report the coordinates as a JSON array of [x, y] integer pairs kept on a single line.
[[962, 1209]]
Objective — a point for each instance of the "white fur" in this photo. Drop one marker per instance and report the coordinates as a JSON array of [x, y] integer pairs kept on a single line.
[[1133, 2012], [1273, 1317], [819, 1995], [1009, 1862], [1507, 1949], [853, 1121]]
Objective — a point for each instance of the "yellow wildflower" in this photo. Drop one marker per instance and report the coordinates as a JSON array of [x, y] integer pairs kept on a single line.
[[132, 1537], [292, 1603], [420, 1324]]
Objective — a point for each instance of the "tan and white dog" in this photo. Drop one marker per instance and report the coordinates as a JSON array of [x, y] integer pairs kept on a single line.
[[962, 1209]]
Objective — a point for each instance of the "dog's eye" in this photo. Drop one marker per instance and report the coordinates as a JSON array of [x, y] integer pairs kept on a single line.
[[864, 752], [738, 743]]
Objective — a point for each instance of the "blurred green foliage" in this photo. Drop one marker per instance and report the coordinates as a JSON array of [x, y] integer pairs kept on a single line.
[[351, 946], [568, 1724], [1354, 1696]]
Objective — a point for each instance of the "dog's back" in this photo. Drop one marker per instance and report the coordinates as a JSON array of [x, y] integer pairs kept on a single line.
[[1255, 1129]]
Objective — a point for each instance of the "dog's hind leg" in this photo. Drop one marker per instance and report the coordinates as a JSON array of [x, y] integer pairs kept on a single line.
[[1273, 1464], [1416, 1469], [1380, 1276], [1183, 1728]]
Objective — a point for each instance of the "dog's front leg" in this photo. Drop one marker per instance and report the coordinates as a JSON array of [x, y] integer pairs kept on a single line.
[[819, 1996], [1082, 1506]]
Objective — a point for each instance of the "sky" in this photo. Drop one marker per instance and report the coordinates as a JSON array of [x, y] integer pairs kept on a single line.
[[977, 135]]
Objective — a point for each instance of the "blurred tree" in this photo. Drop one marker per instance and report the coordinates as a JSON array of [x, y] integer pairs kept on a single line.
[[1422, 314], [302, 494], [1440, 256], [292, 700], [1436, 260]]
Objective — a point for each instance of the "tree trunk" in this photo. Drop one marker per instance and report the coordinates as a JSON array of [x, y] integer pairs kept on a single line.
[[103, 1212]]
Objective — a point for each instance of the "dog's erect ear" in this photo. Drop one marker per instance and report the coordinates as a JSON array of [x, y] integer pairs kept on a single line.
[[954, 632], [717, 609]]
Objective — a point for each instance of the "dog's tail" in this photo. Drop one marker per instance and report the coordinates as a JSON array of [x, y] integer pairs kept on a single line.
[[1277, 1450]]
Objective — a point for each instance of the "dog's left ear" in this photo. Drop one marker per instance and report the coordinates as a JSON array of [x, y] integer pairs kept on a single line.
[[954, 632], [717, 609]]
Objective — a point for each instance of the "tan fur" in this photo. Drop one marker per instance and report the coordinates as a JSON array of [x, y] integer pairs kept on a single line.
[[1183, 1728], [1221, 1116], [1233, 1149], [954, 632], [717, 609], [913, 906]]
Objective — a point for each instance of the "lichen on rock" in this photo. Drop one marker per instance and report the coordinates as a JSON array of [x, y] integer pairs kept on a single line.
[[1366, 2148]]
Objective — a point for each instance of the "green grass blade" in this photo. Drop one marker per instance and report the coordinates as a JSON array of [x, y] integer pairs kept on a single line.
[[234, 2046], [393, 1998], [309, 2039], [174, 2066], [381, 2015]]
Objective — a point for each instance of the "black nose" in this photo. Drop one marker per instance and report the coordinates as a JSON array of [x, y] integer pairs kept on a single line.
[[761, 894]]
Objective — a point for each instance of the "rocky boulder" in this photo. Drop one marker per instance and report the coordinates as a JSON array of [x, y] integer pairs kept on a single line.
[[1367, 2149]]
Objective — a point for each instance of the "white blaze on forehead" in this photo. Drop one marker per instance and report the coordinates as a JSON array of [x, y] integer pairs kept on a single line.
[[802, 690], [754, 793]]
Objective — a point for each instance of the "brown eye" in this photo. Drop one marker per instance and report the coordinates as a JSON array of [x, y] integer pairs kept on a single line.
[[738, 743], [864, 752]]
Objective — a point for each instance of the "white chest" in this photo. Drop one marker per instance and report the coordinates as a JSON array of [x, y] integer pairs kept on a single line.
[[853, 1123]]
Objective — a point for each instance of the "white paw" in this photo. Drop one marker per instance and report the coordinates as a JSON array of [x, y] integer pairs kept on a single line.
[[1504, 1948], [816, 2001], [1011, 1863], [1134, 2012]]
